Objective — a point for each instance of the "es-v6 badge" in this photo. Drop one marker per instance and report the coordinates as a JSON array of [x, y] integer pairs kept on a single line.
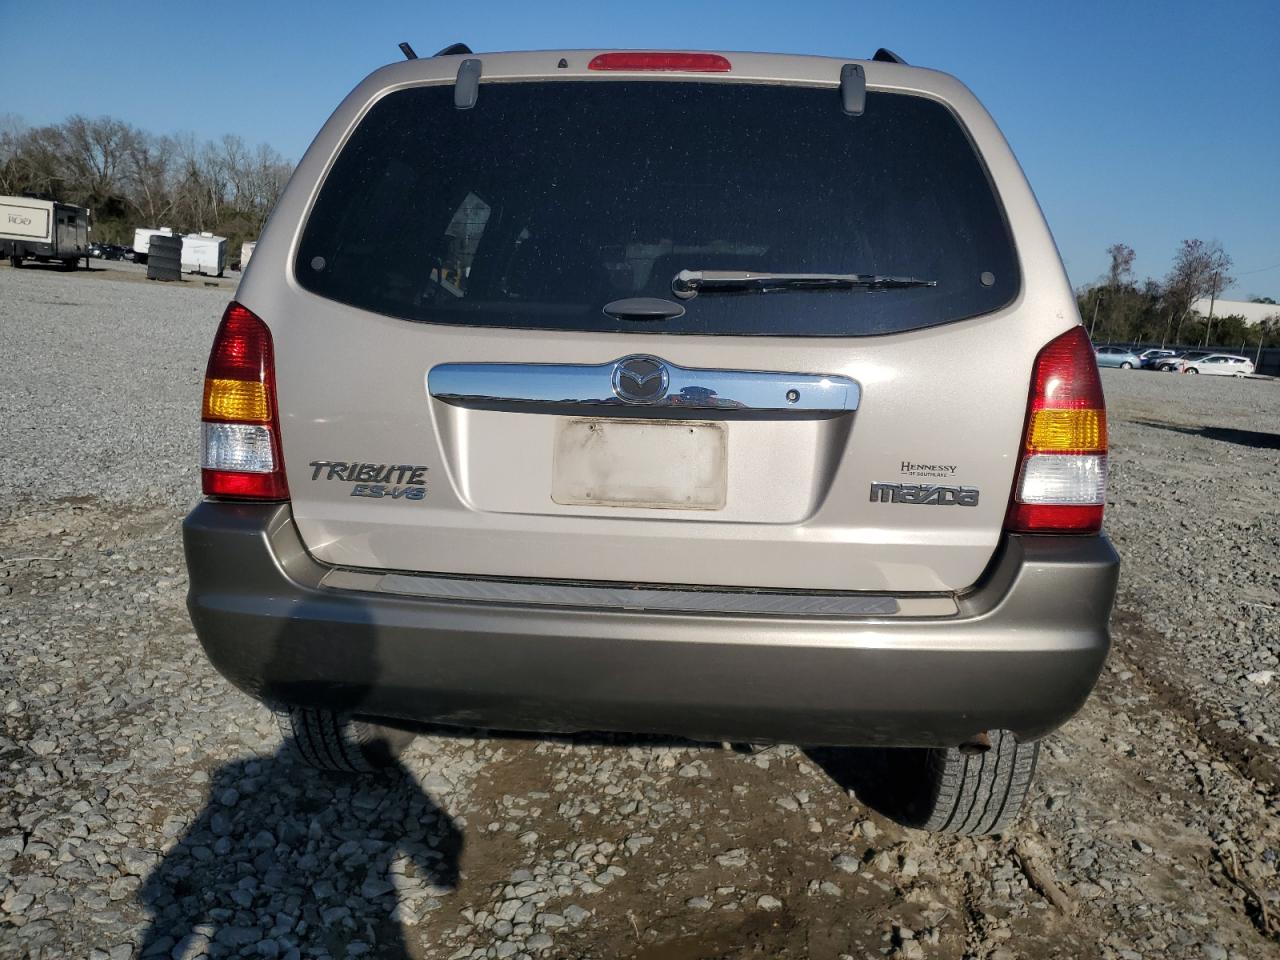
[[393, 481]]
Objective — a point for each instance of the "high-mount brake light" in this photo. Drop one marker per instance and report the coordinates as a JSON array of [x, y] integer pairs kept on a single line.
[[1062, 478], [240, 432], [656, 60]]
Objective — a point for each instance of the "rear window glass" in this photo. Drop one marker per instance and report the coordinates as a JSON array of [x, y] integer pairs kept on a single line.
[[548, 200]]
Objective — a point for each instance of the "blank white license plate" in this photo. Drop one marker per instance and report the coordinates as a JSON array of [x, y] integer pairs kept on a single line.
[[668, 464]]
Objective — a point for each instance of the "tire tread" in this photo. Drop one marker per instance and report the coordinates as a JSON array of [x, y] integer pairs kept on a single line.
[[325, 739], [983, 793]]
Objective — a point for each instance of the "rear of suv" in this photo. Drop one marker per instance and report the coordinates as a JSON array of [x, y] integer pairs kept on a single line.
[[732, 396]]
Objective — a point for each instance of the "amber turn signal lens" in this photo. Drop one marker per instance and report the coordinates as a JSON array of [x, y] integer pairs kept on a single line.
[[239, 400], [1077, 431]]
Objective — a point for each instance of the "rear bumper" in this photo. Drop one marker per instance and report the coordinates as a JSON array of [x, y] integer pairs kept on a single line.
[[1022, 654]]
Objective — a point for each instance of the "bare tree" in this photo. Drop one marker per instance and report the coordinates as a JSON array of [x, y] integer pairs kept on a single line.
[[134, 178], [1199, 269], [12, 132], [199, 182], [30, 161], [1121, 270], [236, 166], [270, 173], [94, 152], [147, 175]]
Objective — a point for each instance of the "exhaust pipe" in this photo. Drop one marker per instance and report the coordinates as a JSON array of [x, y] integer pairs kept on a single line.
[[976, 745]]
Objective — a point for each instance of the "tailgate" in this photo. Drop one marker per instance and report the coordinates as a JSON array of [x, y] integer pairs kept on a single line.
[[461, 393], [800, 507]]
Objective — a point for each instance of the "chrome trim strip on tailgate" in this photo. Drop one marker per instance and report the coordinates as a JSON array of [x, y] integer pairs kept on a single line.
[[636, 383], [602, 596]]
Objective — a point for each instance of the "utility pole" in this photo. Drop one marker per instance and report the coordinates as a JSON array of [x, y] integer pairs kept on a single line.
[[1213, 292], [1094, 322]]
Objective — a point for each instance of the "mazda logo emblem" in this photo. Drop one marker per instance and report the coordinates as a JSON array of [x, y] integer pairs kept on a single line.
[[640, 379]]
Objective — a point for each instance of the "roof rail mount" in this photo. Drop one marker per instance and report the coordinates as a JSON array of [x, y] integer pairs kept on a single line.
[[466, 86], [884, 55], [853, 89], [454, 49]]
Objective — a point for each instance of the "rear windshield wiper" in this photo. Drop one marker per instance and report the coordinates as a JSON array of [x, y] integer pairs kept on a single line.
[[689, 283]]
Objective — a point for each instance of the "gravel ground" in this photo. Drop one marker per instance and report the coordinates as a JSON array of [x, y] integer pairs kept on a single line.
[[147, 807]]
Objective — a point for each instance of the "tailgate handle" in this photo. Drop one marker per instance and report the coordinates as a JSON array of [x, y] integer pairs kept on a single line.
[[637, 384]]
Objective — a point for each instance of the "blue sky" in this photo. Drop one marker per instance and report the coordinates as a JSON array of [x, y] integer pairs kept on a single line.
[[1139, 123]]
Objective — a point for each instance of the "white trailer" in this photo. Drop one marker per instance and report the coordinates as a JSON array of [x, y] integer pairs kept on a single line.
[[142, 241], [43, 230], [246, 251], [204, 253]]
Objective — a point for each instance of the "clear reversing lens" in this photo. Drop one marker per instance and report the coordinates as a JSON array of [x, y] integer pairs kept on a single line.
[[1063, 479], [238, 447]]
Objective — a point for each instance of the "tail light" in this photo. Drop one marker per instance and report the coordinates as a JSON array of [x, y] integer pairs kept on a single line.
[[240, 456], [1062, 479]]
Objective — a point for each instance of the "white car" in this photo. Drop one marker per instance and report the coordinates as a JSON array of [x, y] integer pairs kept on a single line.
[[1224, 364]]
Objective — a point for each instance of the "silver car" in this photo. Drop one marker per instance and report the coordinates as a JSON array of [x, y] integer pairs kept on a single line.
[[1121, 357], [617, 390]]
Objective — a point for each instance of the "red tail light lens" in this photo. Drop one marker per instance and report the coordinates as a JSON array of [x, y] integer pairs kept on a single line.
[[240, 455], [1066, 375], [1062, 478], [644, 60]]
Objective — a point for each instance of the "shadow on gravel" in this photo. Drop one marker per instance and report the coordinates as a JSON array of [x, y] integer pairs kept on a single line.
[[1244, 438], [287, 861], [304, 860], [877, 777]]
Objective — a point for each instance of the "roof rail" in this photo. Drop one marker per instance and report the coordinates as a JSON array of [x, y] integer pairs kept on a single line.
[[884, 55], [454, 49]]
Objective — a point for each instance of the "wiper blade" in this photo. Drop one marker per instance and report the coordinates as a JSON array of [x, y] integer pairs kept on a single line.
[[689, 283]]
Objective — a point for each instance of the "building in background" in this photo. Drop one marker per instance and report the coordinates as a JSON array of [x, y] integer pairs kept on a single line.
[[1253, 313]]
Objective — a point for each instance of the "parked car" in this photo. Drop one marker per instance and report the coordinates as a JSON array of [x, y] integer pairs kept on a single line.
[[1221, 364], [1174, 364], [583, 474], [1121, 357], [1148, 359]]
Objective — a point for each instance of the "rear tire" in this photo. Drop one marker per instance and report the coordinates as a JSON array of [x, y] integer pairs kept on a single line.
[[980, 793], [339, 743], [1126, 365]]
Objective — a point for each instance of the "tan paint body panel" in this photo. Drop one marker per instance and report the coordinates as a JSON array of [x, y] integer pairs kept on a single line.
[[798, 512]]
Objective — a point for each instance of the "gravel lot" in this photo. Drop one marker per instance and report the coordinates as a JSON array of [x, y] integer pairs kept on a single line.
[[145, 806]]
